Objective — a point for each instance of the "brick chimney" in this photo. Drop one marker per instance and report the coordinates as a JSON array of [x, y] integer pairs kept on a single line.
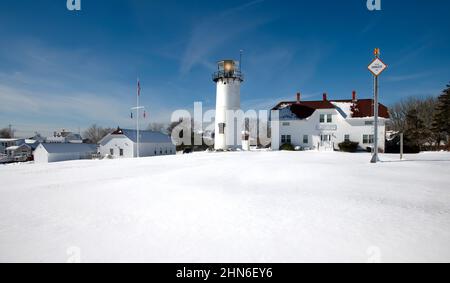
[[299, 96], [354, 97], [325, 97]]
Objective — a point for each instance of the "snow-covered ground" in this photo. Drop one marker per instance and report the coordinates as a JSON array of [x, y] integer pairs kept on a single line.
[[228, 207]]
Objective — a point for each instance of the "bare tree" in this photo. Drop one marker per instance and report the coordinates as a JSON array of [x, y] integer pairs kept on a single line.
[[95, 133], [5, 133], [157, 127], [425, 108]]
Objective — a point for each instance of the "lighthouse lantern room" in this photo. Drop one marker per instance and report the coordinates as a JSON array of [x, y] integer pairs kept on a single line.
[[228, 79]]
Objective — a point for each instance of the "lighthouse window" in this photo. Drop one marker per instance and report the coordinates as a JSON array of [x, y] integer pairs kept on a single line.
[[222, 128]]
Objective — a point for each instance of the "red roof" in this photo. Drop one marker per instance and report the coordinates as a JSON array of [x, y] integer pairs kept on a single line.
[[304, 109]]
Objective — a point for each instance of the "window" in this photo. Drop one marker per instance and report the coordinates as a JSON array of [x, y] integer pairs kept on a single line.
[[306, 139], [325, 138], [347, 138], [368, 139], [111, 151], [326, 118], [286, 124], [286, 139], [121, 152], [155, 152], [368, 123], [222, 128]]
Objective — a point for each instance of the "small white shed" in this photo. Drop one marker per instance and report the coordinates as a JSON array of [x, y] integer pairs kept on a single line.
[[123, 144], [56, 152]]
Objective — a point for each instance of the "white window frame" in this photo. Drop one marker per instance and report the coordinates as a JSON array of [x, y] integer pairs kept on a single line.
[[322, 118], [368, 139], [306, 137]]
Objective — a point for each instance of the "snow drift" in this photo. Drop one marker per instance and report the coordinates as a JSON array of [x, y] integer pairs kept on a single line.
[[228, 207]]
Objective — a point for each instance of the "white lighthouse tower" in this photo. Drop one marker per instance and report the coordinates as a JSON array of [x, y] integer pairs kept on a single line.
[[228, 79]]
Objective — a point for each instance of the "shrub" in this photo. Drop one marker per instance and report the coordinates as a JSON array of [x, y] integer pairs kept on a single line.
[[348, 146], [287, 147]]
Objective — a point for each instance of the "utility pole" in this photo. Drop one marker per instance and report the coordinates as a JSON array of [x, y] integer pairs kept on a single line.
[[11, 134]]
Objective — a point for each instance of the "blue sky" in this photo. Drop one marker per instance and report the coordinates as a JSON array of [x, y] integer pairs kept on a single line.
[[63, 69]]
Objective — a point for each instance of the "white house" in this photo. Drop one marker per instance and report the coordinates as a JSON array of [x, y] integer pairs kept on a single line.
[[19, 153], [16, 150], [123, 144], [64, 137], [326, 123], [5, 143], [56, 152]]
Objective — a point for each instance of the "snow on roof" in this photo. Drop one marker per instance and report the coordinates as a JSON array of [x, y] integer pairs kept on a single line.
[[145, 136], [12, 148], [16, 147], [9, 140], [69, 147], [363, 107], [344, 108]]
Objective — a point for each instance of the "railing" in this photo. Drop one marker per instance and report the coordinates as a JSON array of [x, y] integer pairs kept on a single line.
[[228, 75]]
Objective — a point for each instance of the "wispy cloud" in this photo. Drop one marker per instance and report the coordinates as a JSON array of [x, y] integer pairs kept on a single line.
[[47, 87], [213, 32], [408, 77]]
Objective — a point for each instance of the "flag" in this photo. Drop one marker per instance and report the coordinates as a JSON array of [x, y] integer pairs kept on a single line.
[[145, 114], [139, 88], [131, 115]]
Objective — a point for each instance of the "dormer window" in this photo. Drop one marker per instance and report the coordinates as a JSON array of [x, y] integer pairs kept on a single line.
[[326, 118]]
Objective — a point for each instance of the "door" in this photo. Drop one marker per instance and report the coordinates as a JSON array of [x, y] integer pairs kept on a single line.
[[325, 141]]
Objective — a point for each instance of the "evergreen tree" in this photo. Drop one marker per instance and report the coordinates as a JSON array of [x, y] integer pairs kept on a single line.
[[441, 121]]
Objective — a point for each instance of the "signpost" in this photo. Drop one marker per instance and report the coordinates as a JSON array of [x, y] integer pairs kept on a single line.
[[401, 145], [376, 68]]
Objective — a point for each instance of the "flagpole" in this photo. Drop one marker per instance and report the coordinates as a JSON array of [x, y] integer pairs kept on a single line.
[[137, 120]]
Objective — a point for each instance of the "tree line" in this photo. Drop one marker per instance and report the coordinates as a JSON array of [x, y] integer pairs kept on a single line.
[[424, 122]]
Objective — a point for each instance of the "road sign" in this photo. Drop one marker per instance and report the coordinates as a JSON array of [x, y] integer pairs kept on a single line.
[[377, 67]]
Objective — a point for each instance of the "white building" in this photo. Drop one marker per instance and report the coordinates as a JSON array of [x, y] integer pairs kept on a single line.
[[228, 80], [16, 150], [19, 153], [64, 137], [5, 143], [326, 123], [123, 144], [56, 152]]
